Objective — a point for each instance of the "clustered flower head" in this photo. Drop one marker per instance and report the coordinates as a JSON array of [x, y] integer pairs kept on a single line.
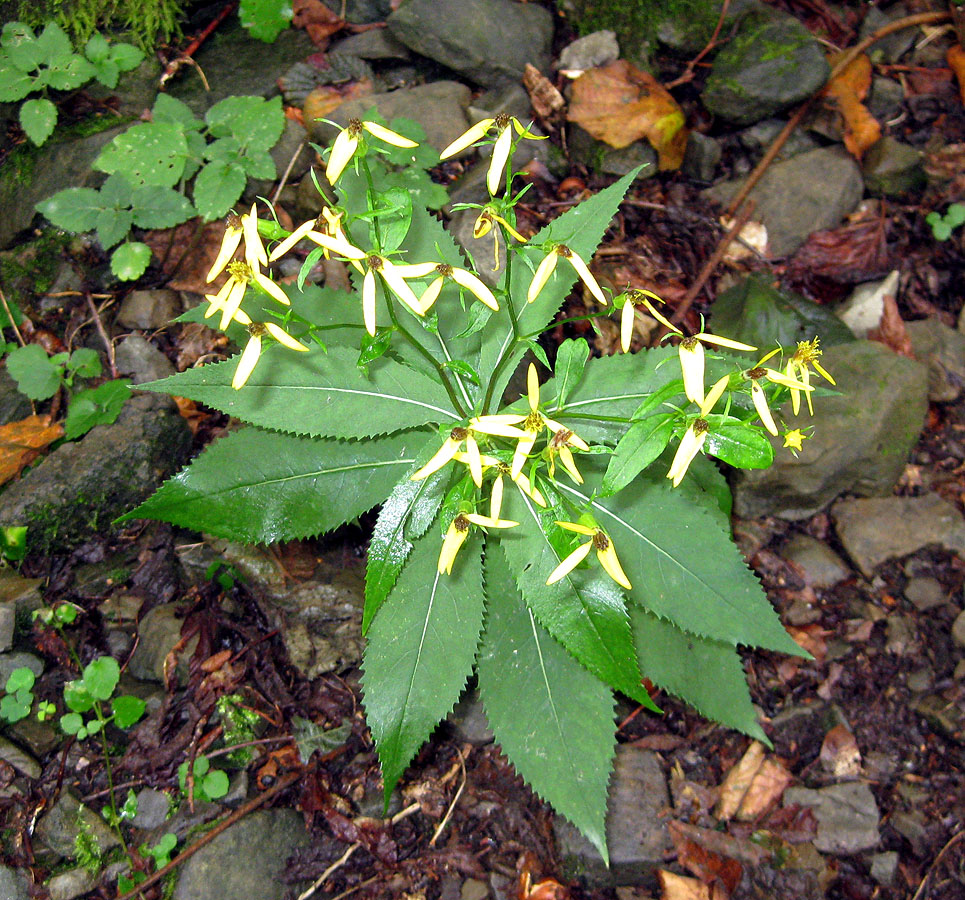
[[501, 149]]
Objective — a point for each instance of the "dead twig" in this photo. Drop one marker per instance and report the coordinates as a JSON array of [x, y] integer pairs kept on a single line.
[[99, 325], [185, 59], [688, 73], [954, 839], [6, 309], [286, 173], [455, 800]]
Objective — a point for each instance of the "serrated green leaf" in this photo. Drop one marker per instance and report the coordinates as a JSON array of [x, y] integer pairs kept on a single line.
[[171, 111], [74, 209], [97, 49], [310, 737], [704, 673], [265, 19], [37, 377], [54, 42], [15, 84], [563, 743], [38, 118], [585, 611], [21, 47], [126, 56], [255, 123], [130, 260], [149, 153], [740, 445], [97, 406], [259, 164], [639, 447], [405, 516], [683, 565], [107, 73], [217, 186], [571, 360], [419, 652], [262, 486], [317, 393], [112, 226], [160, 207]]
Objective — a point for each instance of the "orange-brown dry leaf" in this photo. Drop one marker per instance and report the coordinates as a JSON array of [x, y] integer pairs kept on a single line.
[[840, 754], [323, 99], [891, 329], [766, 788], [547, 101], [707, 865], [319, 22], [738, 781], [21, 443], [847, 90], [619, 104], [676, 887], [956, 62]]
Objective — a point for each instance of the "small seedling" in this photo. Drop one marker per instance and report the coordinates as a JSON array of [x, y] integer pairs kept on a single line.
[[209, 784], [943, 226], [19, 697]]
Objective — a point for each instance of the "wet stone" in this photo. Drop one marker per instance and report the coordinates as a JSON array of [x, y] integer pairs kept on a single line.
[[863, 309], [21, 761], [942, 349], [70, 884], [589, 52], [14, 406], [822, 567], [149, 310], [884, 867], [892, 168], [958, 629], [8, 624], [38, 737], [943, 715], [19, 660], [925, 592], [13, 884], [159, 633], [847, 816], [23, 593], [58, 827], [139, 358]]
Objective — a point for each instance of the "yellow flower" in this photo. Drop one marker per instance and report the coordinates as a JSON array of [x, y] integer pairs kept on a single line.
[[237, 227], [463, 278], [326, 231], [794, 440], [600, 541], [558, 445], [696, 434], [457, 533], [545, 269], [691, 352], [533, 423], [393, 276], [632, 299], [501, 149], [463, 434], [806, 354], [483, 225], [347, 142], [232, 292], [757, 392], [521, 481]]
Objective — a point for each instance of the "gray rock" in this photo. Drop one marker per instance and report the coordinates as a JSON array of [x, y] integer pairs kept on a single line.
[[601, 157], [70, 884], [771, 63], [891, 47], [58, 827], [885, 99], [159, 633], [636, 836], [19, 660], [511, 99], [13, 884], [14, 406], [884, 867], [482, 249], [21, 761], [138, 357], [847, 816], [862, 311], [942, 349], [588, 52], [809, 192], [247, 860], [152, 809], [958, 629], [440, 108], [943, 715], [38, 737], [878, 529], [149, 310], [822, 567], [861, 439], [488, 41], [135, 90], [910, 824], [892, 168], [469, 721], [291, 150], [361, 12], [925, 592], [700, 157], [756, 139], [377, 43], [23, 593], [76, 491], [8, 623]]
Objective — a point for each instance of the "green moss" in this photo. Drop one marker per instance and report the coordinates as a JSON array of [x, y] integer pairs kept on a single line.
[[30, 269], [149, 22]]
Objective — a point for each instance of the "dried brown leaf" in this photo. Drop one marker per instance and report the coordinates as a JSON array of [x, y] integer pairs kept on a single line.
[[707, 865], [319, 22], [619, 104], [21, 443], [846, 91], [677, 887], [956, 61], [548, 102], [765, 789], [840, 754], [891, 330], [738, 781]]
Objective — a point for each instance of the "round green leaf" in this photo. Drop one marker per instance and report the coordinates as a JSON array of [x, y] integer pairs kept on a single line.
[[100, 677], [71, 723], [97, 49], [14, 84], [160, 207], [38, 117], [127, 710], [741, 446], [20, 679], [216, 784], [130, 260], [126, 56], [77, 697], [69, 72], [74, 209], [35, 374]]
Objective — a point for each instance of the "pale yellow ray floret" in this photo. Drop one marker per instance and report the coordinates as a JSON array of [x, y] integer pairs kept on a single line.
[[465, 434], [636, 297], [347, 142], [695, 436], [691, 353], [457, 533], [606, 553], [759, 372], [548, 265], [807, 354], [461, 276], [483, 225], [504, 125]]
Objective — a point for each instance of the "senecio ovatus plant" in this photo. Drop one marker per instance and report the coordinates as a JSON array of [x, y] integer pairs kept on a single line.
[[563, 545]]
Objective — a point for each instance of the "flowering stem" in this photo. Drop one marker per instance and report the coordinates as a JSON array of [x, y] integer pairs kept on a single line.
[[511, 346]]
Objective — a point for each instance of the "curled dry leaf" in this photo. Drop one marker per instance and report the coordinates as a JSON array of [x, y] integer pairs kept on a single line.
[[706, 864], [738, 781], [319, 22], [619, 104], [21, 443], [548, 102], [765, 790], [677, 887], [840, 754], [847, 90], [891, 329], [956, 62]]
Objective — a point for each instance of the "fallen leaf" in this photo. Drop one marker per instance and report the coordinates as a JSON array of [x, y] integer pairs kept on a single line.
[[847, 90], [21, 443], [319, 22], [323, 99], [677, 887], [812, 639], [705, 864], [891, 329], [956, 61], [766, 788], [840, 754], [170, 245], [738, 781], [619, 104], [748, 853], [547, 101]]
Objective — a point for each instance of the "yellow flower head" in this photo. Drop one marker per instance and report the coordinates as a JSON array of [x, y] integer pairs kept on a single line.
[[484, 224], [631, 300], [457, 533], [326, 231], [806, 354], [546, 268], [794, 440], [347, 142], [606, 553], [760, 371], [695, 436], [691, 352], [237, 227], [465, 434], [394, 276], [462, 277]]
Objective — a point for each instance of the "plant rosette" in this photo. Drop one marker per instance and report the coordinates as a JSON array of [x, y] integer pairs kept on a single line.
[[562, 546]]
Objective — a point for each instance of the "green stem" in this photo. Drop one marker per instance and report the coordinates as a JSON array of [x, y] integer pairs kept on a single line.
[[514, 324]]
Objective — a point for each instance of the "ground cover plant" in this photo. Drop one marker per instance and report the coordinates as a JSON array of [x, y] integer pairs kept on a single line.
[[563, 544]]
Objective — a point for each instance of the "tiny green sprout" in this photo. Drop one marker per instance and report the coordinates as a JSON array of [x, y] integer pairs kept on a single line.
[[209, 784], [45, 710], [16, 704], [942, 226]]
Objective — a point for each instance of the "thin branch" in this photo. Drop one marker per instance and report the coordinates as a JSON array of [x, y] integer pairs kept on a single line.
[[6, 309]]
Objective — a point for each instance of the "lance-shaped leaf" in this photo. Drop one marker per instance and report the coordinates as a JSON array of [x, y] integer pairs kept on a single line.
[[420, 651], [263, 486], [682, 562], [317, 393], [706, 674], [581, 229], [585, 610], [562, 742], [640, 446], [405, 516]]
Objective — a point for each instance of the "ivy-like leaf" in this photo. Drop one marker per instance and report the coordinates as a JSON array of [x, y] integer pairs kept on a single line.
[[310, 737], [265, 19], [706, 674], [97, 406], [563, 743], [38, 118], [682, 563], [73, 209], [262, 486], [36, 376], [160, 207], [317, 393], [419, 652]]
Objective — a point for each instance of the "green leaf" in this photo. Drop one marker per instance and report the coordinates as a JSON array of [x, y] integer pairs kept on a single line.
[[706, 674], [84, 362], [394, 215], [682, 562], [127, 710], [130, 260], [71, 723], [15, 84], [419, 652], [168, 110], [310, 737], [21, 46], [74, 209], [13, 543], [160, 207], [254, 122], [149, 153], [77, 697], [36, 376], [98, 406], [571, 360], [405, 516], [585, 610], [317, 393], [38, 118], [68, 72], [21, 679], [259, 164], [261, 486], [107, 73], [639, 447], [113, 225], [126, 57], [562, 743], [741, 446], [97, 49], [53, 42], [265, 19], [216, 784], [217, 186], [101, 677]]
